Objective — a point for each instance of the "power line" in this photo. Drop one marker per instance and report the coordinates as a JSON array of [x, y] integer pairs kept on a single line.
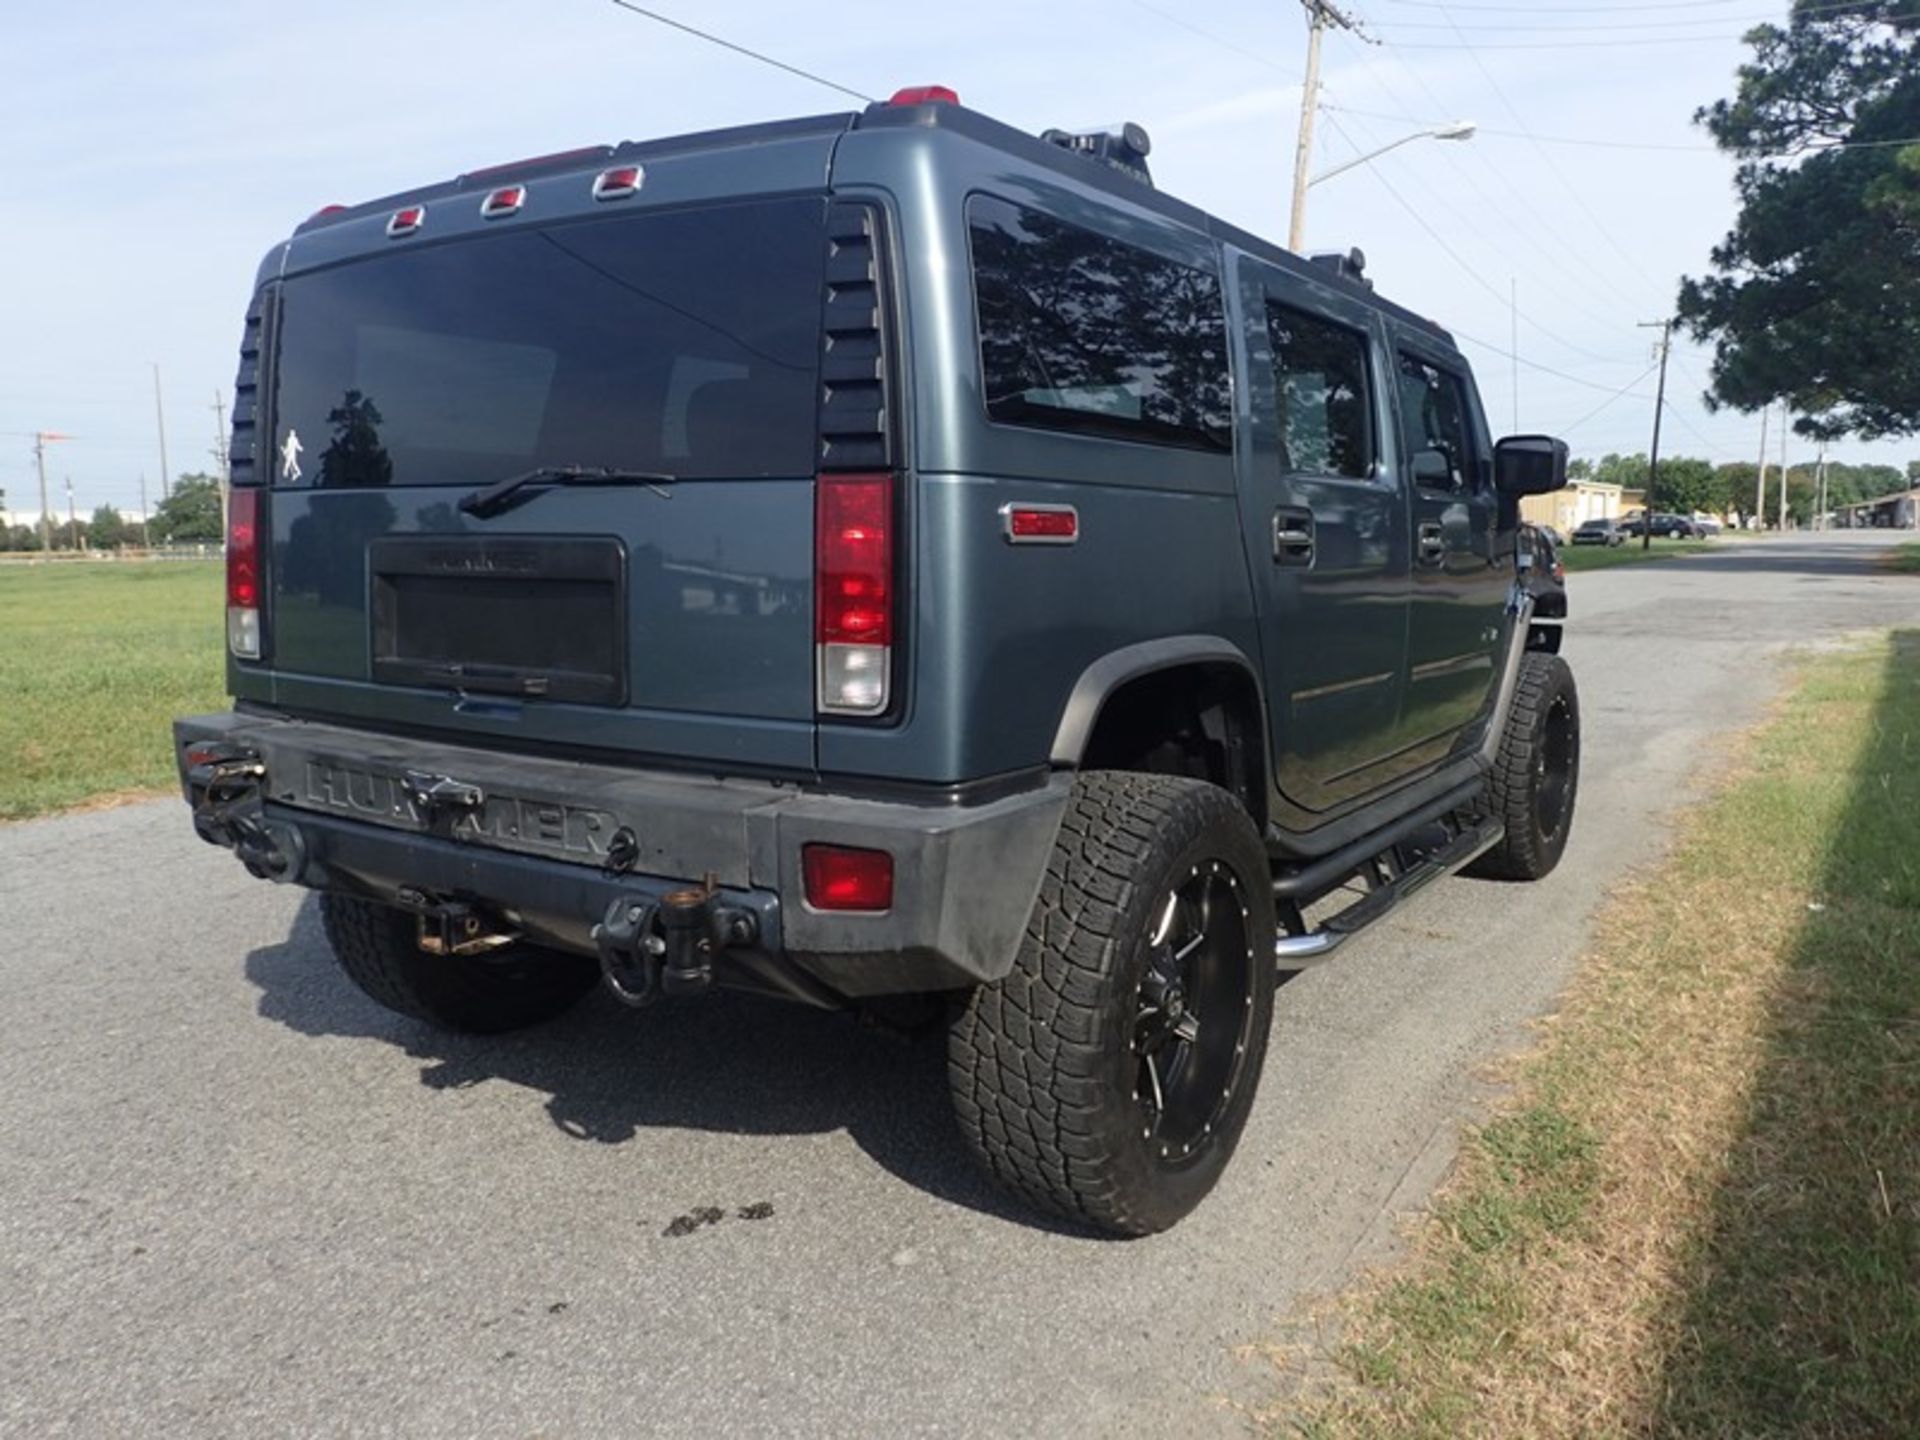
[[1465, 44], [1464, 221], [1225, 44], [1610, 401], [1506, 354], [1665, 5], [1557, 247], [1506, 27], [1589, 141], [1414, 212], [742, 50], [1598, 224], [1564, 246]]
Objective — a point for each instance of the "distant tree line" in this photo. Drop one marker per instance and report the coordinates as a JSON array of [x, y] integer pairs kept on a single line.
[[1687, 484], [190, 515]]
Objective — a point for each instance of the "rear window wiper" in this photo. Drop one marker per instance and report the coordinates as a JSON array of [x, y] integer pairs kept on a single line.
[[503, 494]]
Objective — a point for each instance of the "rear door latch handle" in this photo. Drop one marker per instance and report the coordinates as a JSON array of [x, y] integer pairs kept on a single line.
[[1433, 544], [1292, 536]]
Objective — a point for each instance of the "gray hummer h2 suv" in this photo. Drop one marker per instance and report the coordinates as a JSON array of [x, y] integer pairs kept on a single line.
[[885, 561]]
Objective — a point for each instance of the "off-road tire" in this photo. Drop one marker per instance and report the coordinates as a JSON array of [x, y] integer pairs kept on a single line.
[[1043, 1065], [377, 945], [1541, 746]]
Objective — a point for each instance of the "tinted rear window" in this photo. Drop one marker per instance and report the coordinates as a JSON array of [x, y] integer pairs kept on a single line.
[[1085, 333], [685, 342]]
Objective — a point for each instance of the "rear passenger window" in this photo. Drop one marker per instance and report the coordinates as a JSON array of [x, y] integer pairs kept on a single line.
[[1434, 406], [1082, 333], [1326, 410]]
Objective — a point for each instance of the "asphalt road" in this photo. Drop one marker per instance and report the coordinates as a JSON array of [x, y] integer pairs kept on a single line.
[[238, 1199]]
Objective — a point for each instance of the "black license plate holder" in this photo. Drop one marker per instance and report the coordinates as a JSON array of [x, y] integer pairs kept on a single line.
[[542, 617]]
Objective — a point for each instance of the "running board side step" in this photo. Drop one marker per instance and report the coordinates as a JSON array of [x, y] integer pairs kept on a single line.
[[1296, 952]]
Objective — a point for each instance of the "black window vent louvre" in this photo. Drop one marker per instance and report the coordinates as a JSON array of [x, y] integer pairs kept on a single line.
[[243, 444], [856, 423]]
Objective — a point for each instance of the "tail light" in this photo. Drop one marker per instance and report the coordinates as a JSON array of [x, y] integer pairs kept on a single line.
[[839, 877], [243, 572], [853, 593]]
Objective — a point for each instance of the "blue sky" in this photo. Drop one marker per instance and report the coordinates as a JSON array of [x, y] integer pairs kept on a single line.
[[153, 153]]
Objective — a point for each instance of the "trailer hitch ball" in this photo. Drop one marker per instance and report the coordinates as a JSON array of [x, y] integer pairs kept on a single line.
[[687, 926], [650, 948]]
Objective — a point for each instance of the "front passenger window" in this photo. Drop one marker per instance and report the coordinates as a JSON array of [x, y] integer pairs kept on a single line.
[[1434, 407]]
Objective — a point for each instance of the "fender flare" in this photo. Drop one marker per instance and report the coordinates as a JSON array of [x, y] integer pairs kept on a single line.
[[1120, 667]]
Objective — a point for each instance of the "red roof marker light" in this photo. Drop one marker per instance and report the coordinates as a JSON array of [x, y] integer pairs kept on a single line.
[[504, 201], [618, 183], [925, 95], [406, 220]]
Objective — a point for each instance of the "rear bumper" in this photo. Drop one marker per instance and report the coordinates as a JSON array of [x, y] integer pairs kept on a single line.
[[537, 842]]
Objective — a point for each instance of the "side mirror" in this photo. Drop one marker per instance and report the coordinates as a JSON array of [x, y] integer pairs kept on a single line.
[[1529, 465]]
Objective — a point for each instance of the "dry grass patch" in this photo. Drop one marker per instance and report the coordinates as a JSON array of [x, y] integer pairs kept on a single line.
[[1700, 1211]]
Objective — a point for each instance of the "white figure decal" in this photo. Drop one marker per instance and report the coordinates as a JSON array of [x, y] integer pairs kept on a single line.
[[290, 455]]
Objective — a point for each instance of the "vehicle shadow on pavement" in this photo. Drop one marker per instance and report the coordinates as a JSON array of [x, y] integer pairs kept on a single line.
[[724, 1062]]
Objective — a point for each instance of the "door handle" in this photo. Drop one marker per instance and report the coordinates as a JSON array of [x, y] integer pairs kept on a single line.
[[1292, 536], [1432, 545]]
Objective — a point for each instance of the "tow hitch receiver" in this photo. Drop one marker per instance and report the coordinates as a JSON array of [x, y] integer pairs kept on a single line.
[[454, 927], [649, 948]]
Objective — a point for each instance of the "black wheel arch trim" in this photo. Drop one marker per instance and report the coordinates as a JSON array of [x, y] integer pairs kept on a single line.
[[1100, 680]]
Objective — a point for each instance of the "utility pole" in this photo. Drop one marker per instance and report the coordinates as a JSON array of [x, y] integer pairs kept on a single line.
[[40, 439], [220, 458], [1320, 15], [160, 421], [1820, 491], [1760, 495], [1786, 424], [1665, 327]]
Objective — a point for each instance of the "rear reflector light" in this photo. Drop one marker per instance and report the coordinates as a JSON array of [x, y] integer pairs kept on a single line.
[[1042, 524], [504, 201], [243, 573], [406, 220], [618, 183], [925, 95], [853, 593], [840, 878]]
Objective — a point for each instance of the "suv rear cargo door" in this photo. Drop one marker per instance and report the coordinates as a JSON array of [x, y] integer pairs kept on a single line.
[[669, 617]]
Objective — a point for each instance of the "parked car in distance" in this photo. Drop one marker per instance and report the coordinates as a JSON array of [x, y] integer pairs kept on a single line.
[[1599, 532], [1677, 527], [1706, 526]]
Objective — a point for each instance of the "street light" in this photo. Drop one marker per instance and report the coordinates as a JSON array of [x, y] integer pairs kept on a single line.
[[1458, 130]]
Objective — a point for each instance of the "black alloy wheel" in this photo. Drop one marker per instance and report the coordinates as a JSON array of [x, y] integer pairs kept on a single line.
[[1192, 1008]]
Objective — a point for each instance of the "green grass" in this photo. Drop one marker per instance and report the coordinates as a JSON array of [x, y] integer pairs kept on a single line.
[[1605, 557], [95, 661], [1700, 1212], [1905, 559]]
